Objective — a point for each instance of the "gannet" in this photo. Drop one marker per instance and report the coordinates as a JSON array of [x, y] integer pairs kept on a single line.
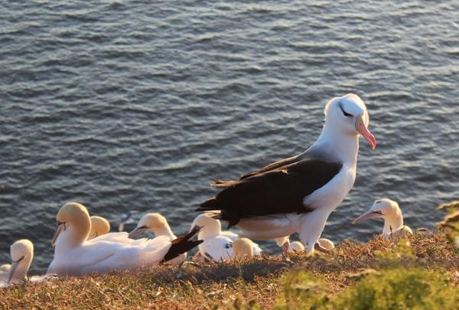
[[298, 247], [99, 226], [243, 248], [21, 253], [158, 225], [75, 255], [217, 245], [390, 212]]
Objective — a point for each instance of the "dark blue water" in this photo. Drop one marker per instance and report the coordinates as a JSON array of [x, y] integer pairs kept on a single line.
[[137, 105]]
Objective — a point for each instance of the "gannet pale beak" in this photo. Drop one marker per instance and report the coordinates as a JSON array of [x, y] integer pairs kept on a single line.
[[60, 227], [370, 214], [363, 130], [14, 265], [137, 232]]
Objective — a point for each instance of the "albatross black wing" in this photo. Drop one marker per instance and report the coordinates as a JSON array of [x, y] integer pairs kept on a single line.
[[273, 166], [275, 191]]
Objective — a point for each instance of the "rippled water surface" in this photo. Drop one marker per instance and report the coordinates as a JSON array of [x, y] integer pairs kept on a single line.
[[137, 105]]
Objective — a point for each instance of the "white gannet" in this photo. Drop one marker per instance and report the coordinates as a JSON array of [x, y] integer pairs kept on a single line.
[[5, 268], [21, 253], [390, 212], [215, 246], [99, 226], [243, 248], [297, 194], [75, 255], [158, 225], [295, 247]]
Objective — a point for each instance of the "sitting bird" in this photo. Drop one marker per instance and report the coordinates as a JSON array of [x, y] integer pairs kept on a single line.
[[243, 248], [297, 247], [99, 226], [75, 255], [157, 224], [390, 212], [21, 253]]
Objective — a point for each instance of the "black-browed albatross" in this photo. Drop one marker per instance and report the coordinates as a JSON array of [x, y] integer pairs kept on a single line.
[[297, 194]]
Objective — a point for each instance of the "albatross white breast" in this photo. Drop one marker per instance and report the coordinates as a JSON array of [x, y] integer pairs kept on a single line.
[[297, 194]]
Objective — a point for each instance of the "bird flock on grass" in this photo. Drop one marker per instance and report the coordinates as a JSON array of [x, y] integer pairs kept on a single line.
[[295, 195]]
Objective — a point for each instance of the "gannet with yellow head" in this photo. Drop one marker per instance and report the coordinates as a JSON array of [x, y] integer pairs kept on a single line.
[[21, 253], [99, 226], [390, 212], [243, 248], [74, 254], [158, 225], [217, 244]]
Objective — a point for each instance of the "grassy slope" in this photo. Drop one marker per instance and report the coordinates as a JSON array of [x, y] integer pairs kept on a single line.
[[258, 283]]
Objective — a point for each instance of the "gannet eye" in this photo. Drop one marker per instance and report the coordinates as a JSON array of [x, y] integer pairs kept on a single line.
[[344, 112], [228, 246]]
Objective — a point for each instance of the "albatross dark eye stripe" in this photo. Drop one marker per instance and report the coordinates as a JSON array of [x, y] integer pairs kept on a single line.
[[344, 112]]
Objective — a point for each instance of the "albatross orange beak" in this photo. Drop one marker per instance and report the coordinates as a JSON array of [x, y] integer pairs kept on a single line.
[[363, 130]]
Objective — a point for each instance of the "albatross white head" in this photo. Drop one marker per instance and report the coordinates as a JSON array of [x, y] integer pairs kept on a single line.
[[21, 258], [390, 212], [73, 226], [99, 226], [347, 116], [153, 222]]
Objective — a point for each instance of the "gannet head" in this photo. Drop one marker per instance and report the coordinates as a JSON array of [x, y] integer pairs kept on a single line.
[[326, 244], [209, 226], [21, 253], [349, 114], [5, 268], [154, 222], [243, 248], [75, 217], [386, 209], [99, 226], [296, 247]]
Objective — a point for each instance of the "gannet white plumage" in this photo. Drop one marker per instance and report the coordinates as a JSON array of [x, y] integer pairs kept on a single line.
[[297, 194], [390, 212], [99, 226], [158, 225], [21, 253], [75, 255], [217, 244]]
